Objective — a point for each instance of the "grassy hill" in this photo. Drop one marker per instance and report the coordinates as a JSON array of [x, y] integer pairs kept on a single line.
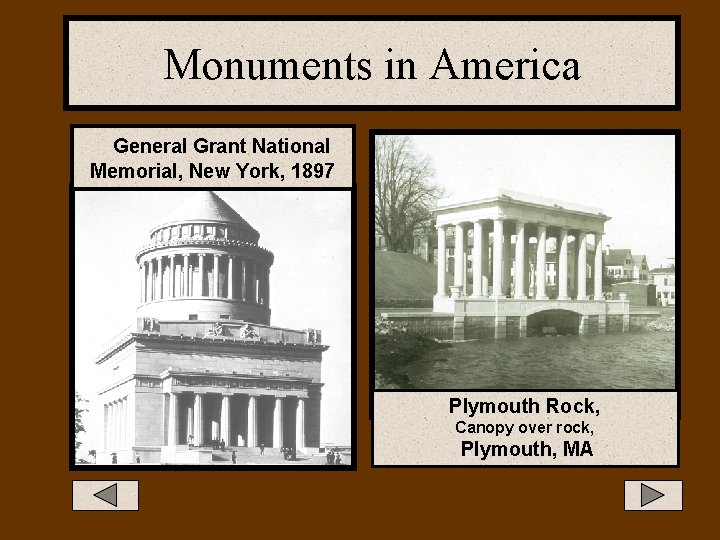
[[402, 275]]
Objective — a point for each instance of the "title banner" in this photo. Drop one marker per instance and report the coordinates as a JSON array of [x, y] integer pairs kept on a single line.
[[296, 63]]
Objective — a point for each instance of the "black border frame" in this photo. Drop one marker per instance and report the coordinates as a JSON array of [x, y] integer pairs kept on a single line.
[[349, 107], [71, 293], [677, 134]]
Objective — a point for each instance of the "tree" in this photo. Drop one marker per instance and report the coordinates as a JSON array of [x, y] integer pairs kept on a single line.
[[404, 192], [79, 410]]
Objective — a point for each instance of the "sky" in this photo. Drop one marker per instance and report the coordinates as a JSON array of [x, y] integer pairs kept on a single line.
[[630, 177], [309, 232]]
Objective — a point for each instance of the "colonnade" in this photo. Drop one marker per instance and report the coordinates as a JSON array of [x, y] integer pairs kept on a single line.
[[116, 415], [502, 259], [171, 276], [195, 418]]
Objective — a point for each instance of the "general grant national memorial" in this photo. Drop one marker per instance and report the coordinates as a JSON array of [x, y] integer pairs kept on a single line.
[[202, 363]]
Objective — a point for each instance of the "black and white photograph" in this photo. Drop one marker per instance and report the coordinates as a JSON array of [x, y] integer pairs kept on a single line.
[[525, 260], [213, 328]]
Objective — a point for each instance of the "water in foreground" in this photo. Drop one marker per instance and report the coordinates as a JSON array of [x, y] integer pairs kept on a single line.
[[603, 361]]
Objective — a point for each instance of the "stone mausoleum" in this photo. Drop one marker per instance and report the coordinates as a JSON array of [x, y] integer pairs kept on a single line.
[[202, 362]]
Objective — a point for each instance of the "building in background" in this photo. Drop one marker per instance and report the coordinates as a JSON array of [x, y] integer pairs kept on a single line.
[[622, 266], [664, 280], [641, 271], [618, 264]]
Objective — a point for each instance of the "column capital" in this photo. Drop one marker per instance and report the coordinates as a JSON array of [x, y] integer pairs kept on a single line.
[[443, 227]]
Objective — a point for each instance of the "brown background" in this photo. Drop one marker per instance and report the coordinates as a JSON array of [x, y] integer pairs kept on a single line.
[[422, 502]]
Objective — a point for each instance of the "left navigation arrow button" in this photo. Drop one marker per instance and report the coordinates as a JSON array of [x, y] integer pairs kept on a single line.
[[106, 495], [109, 494]]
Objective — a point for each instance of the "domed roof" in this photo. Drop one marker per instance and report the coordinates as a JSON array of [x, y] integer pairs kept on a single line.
[[206, 206]]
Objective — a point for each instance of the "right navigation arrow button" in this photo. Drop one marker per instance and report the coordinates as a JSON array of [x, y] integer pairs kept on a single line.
[[647, 495]]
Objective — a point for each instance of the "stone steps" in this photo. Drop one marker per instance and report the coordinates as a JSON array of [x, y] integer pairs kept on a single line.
[[226, 455]]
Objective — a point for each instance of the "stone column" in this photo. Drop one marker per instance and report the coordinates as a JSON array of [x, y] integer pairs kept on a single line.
[[260, 283], [527, 264], [267, 288], [148, 281], [201, 264], [115, 423], [253, 278], [172, 277], [151, 281], [225, 419], [160, 278], [109, 431], [198, 419], [172, 420], [277, 423], [581, 243], [478, 248], [216, 275], [243, 279], [460, 255], [121, 427], [300, 423], [441, 262], [252, 422], [520, 269], [118, 421], [598, 267], [507, 263], [123, 422], [230, 277], [190, 424], [498, 237], [265, 285], [540, 265], [563, 265], [253, 292], [142, 283], [106, 425], [186, 274], [484, 262]]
